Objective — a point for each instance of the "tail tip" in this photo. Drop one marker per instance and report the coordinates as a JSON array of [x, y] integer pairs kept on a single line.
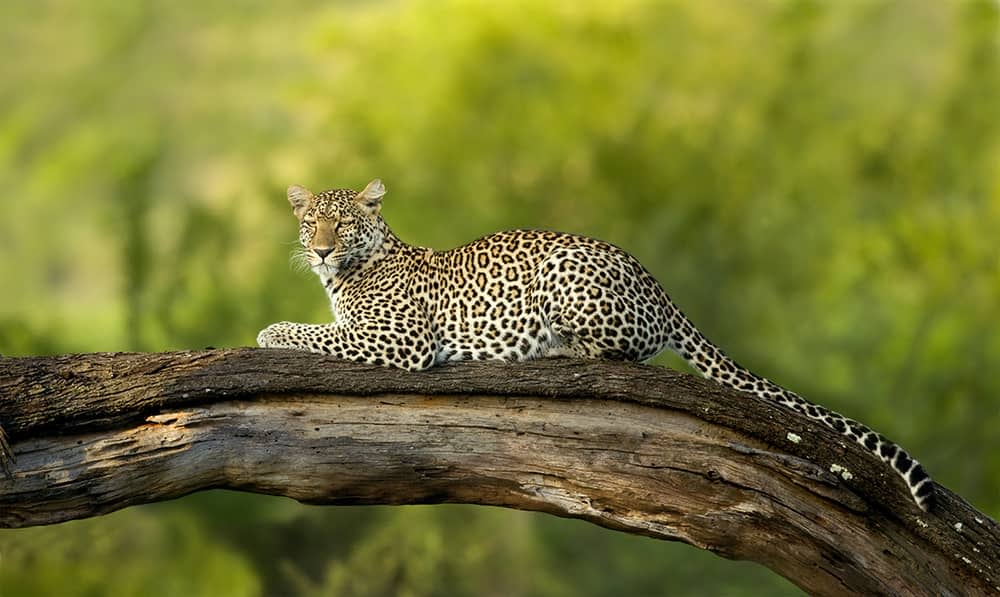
[[924, 495]]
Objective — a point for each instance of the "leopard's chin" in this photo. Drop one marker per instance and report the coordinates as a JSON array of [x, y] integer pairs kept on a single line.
[[325, 270]]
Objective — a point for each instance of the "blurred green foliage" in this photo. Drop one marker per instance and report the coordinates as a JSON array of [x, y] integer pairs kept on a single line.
[[816, 183]]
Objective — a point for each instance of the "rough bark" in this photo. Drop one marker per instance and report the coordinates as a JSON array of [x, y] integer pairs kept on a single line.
[[639, 449]]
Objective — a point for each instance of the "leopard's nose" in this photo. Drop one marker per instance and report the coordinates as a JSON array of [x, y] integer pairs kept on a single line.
[[322, 253]]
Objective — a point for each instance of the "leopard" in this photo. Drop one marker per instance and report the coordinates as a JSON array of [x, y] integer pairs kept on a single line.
[[515, 295]]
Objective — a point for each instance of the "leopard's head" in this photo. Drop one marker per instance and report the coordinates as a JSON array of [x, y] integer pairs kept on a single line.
[[338, 228]]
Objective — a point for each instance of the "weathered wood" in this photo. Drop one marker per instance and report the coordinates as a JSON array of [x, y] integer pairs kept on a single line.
[[639, 449]]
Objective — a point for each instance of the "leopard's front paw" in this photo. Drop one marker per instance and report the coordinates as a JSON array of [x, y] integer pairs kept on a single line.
[[277, 335]]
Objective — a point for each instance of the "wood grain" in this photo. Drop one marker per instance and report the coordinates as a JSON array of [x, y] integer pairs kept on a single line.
[[639, 449]]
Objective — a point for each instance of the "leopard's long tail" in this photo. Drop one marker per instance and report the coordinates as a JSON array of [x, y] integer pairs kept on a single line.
[[711, 362]]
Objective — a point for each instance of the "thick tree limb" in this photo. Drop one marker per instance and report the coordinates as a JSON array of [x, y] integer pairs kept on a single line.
[[634, 448]]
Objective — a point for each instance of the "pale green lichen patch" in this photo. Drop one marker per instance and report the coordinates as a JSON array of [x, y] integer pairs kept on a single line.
[[843, 472]]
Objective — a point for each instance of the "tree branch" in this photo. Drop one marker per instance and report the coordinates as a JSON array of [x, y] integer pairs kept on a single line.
[[639, 449]]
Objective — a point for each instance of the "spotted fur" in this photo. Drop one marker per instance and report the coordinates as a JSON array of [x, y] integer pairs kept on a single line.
[[515, 295]]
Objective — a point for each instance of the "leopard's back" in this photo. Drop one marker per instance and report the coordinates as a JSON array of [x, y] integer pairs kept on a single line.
[[523, 294]]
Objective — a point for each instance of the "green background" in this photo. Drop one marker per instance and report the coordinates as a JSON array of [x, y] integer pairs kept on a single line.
[[817, 184]]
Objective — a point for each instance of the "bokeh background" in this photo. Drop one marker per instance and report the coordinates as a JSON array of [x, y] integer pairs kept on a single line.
[[817, 184]]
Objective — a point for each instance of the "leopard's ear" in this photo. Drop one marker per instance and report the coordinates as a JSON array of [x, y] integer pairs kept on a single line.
[[370, 199], [299, 197]]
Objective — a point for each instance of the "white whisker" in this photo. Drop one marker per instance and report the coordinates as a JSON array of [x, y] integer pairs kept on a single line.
[[299, 260]]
